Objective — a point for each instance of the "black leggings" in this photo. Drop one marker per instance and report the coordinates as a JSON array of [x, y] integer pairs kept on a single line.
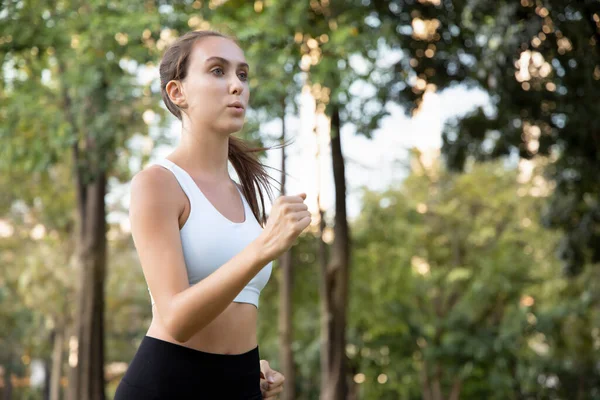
[[163, 370]]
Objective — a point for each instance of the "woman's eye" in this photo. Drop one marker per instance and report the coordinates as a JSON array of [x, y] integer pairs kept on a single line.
[[243, 76], [217, 71]]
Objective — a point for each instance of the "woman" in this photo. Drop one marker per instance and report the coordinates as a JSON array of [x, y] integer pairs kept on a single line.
[[204, 254]]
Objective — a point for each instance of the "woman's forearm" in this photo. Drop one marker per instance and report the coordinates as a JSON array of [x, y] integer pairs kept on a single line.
[[191, 310]]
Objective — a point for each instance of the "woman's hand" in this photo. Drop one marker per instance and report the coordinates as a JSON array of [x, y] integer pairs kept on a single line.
[[288, 218], [271, 381]]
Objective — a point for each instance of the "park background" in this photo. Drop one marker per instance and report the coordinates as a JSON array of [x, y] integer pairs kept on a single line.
[[450, 150]]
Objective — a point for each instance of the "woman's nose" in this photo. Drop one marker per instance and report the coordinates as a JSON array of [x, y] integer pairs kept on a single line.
[[236, 86]]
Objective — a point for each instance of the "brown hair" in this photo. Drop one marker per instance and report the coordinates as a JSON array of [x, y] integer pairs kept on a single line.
[[252, 174]]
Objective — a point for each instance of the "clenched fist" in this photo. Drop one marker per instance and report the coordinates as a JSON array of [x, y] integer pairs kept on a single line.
[[288, 218]]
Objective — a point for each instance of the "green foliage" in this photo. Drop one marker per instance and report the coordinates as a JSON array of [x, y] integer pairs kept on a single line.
[[36, 286], [71, 81], [451, 273], [539, 61], [454, 279]]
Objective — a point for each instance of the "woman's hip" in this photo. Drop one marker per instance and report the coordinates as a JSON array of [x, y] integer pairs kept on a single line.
[[162, 369]]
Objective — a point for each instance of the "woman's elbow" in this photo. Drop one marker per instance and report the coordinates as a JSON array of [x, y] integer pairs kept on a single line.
[[178, 323], [179, 335], [171, 323], [176, 329]]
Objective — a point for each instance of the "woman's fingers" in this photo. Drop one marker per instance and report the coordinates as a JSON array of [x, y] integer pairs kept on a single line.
[[271, 394]]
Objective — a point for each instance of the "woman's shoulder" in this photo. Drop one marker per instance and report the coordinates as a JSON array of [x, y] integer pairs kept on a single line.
[[152, 178], [154, 185]]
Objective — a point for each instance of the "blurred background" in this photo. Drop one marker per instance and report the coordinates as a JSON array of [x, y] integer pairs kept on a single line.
[[450, 150]]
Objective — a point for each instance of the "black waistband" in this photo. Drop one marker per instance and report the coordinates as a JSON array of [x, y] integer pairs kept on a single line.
[[243, 362]]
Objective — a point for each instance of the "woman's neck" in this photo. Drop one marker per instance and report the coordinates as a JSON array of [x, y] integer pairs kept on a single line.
[[204, 155]]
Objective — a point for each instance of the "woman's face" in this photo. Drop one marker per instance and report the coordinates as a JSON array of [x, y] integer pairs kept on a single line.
[[216, 89]]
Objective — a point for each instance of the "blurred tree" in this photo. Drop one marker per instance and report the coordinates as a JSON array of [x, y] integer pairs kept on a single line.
[[340, 50], [79, 62], [539, 62], [503, 324], [36, 248], [567, 338], [456, 295]]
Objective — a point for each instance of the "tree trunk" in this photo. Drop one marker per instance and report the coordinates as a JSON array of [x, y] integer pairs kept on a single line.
[[8, 387], [424, 377], [336, 278], [285, 326], [57, 361], [88, 377], [437, 382], [46, 388], [285, 299], [456, 388], [325, 307], [581, 386], [353, 387], [323, 284]]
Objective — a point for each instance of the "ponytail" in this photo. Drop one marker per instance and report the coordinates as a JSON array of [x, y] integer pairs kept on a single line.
[[252, 175]]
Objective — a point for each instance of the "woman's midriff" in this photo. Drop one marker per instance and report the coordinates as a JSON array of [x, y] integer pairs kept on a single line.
[[232, 332]]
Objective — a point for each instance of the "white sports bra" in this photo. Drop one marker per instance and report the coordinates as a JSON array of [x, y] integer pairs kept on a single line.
[[209, 239]]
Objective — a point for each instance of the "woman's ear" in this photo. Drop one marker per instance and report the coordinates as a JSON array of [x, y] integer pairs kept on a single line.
[[175, 92]]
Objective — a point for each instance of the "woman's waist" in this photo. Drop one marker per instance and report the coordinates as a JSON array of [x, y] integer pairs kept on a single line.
[[232, 332]]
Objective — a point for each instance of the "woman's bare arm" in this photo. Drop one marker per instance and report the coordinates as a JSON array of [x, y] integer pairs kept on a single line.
[[154, 213]]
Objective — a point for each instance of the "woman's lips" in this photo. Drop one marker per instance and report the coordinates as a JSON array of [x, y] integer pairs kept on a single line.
[[236, 109]]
